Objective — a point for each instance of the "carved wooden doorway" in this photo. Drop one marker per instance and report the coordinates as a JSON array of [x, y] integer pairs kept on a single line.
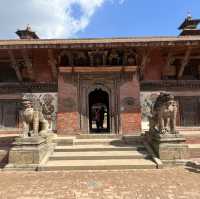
[[99, 113]]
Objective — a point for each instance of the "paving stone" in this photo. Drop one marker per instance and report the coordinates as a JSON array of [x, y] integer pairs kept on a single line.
[[173, 183]]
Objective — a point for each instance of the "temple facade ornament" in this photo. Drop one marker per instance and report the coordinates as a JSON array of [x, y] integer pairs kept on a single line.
[[53, 64], [163, 115], [34, 123], [98, 58], [29, 65], [130, 58], [66, 58], [114, 58], [81, 59]]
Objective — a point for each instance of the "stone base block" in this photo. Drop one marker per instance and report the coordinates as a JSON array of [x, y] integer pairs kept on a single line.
[[26, 151], [170, 147], [3, 156]]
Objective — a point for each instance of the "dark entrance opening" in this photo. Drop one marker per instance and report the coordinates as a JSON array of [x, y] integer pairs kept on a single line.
[[99, 121]]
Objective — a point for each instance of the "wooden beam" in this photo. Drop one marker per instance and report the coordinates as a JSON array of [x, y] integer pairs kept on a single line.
[[52, 62], [98, 69], [28, 64], [184, 62], [191, 57], [14, 65]]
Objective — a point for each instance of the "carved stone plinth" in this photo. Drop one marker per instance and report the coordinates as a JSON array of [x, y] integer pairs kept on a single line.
[[170, 146], [28, 151]]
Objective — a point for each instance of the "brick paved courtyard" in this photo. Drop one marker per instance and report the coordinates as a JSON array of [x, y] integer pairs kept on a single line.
[[136, 184]]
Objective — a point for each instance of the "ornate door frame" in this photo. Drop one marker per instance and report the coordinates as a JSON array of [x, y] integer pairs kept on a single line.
[[89, 85]]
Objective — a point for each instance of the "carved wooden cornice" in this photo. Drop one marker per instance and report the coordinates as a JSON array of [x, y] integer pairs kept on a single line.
[[11, 88], [98, 69], [169, 85], [100, 43]]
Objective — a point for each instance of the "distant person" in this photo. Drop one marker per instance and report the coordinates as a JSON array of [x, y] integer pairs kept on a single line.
[[102, 112], [97, 118]]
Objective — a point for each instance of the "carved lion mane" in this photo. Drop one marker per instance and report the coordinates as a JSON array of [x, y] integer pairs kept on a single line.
[[34, 123], [164, 113]]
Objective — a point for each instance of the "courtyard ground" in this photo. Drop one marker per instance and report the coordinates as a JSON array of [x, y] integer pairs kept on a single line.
[[171, 183]]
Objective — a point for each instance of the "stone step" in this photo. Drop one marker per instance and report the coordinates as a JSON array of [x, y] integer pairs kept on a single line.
[[194, 150], [98, 136], [98, 141], [98, 155], [111, 164], [79, 148], [63, 141]]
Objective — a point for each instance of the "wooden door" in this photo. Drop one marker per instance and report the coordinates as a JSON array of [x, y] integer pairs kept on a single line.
[[189, 111], [8, 114]]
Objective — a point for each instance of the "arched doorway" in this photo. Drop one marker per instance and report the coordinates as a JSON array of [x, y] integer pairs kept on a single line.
[[99, 121]]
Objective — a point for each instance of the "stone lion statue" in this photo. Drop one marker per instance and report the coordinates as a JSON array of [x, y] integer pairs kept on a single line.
[[164, 111], [34, 123]]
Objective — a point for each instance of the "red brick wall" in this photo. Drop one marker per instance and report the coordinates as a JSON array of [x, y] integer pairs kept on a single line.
[[153, 69], [41, 67], [130, 107], [67, 116]]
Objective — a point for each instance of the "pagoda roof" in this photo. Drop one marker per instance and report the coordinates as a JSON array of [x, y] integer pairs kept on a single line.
[[189, 23], [192, 40]]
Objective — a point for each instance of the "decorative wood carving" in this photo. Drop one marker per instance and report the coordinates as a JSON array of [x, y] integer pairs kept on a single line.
[[145, 60], [184, 62], [14, 65], [114, 58], [99, 69], [11, 88], [52, 62], [81, 59], [169, 69], [98, 58], [130, 58], [66, 58], [28, 64], [170, 85], [96, 43]]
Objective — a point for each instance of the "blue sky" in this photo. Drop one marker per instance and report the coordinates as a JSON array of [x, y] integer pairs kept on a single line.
[[95, 18], [140, 18]]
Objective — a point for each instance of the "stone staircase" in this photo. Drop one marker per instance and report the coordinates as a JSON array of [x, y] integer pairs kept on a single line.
[[98, 152]]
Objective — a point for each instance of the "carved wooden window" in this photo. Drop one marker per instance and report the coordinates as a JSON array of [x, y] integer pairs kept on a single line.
[[169, 72], [8, 114], [7, 73], [190, 72], [98, 59], [189, 108], [81, 60], [64, 61]]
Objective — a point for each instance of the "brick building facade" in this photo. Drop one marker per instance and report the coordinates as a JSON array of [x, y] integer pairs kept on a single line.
[[73, 78]]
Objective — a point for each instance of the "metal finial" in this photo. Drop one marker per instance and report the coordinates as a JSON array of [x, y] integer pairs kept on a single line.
[[189, 15]]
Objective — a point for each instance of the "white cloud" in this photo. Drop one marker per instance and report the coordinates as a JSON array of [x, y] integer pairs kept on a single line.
[[49, 18]]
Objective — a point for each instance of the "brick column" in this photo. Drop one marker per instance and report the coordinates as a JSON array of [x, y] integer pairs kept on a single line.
[[130, 113], [67, 116]]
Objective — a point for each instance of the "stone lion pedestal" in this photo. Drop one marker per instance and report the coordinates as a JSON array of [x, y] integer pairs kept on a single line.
[[36, 141], [166, 142], [169, 147], [29, 151]]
